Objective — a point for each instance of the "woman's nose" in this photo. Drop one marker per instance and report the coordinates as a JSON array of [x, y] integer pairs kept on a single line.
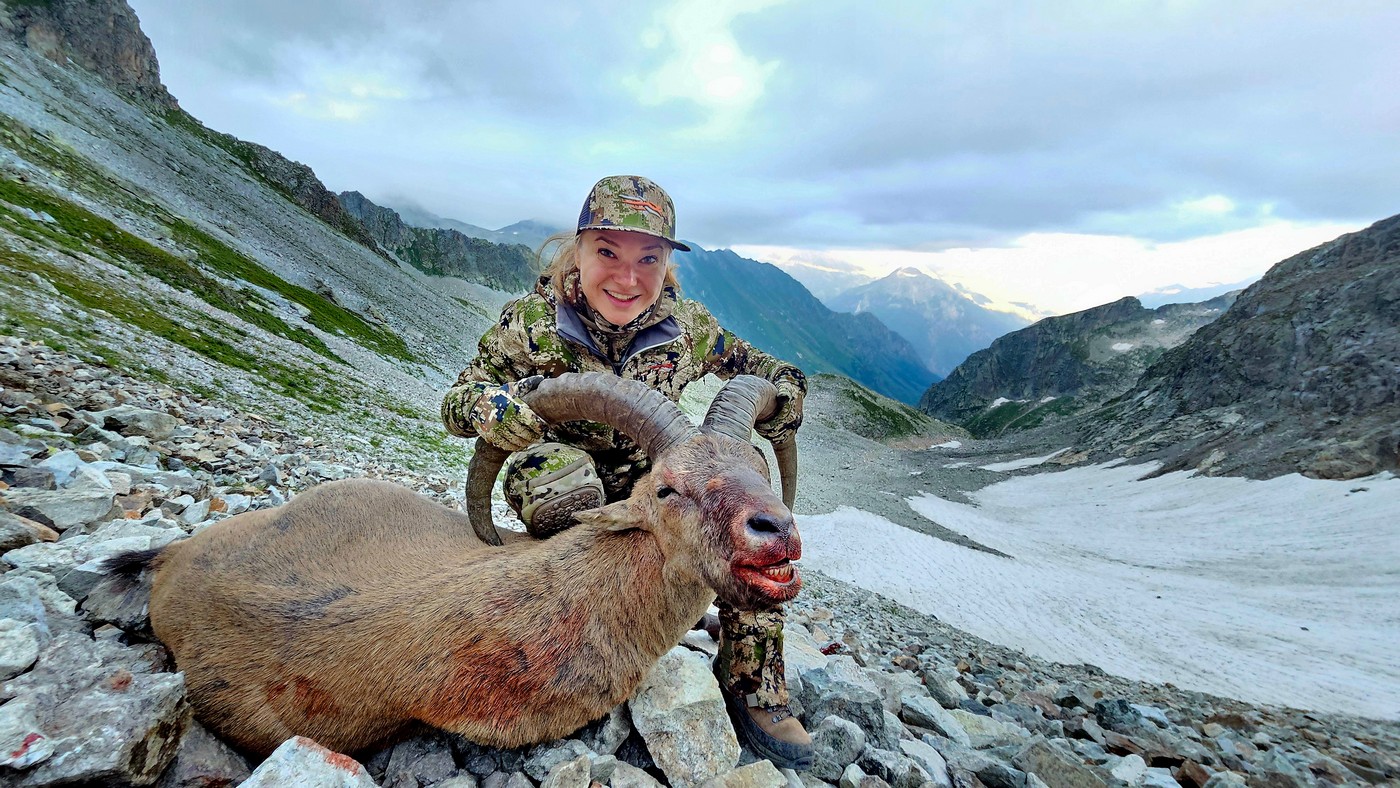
[[627, 274]]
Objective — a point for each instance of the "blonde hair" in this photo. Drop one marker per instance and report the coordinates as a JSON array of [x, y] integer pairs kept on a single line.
[[558, 257]]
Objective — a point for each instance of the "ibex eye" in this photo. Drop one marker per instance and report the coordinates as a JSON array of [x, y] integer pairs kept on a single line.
[[663, 491]]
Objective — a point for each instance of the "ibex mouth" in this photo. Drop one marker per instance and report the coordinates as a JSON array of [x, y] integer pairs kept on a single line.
[[779, 581]]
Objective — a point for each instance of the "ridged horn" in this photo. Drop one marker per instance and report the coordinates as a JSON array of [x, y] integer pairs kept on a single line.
[[743, 402], [629, 406]]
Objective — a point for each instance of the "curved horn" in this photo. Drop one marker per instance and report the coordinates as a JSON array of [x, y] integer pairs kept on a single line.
[[743, 402], [629, 406]]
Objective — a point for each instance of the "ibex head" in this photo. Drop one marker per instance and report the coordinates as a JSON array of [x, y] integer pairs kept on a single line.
[[708, 499]]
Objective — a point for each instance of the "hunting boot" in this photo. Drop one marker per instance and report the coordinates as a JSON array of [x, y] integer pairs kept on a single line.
[[753, 681], [547, 483]]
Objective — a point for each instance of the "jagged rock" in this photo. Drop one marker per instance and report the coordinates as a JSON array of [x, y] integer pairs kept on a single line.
[[606, 735], [302, 762], [836, 744], [422, 760], [892, 767], [760, 774], [104, 38], [16, 532], [1226, 780], [63, 509], [841, 687], [124, 728], [20, 642], [929, 759], [927, 713], [1057, 766], [203, 761], [129, 420], [569, 774], [985, 732], [628, 776], [23, 742], [545, 758], [680, 714], [852, 777]]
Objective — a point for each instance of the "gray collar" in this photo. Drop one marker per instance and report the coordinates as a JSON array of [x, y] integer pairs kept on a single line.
[[571, 327]]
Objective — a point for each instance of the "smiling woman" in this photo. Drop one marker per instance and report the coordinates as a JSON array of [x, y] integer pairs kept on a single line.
[[608, 302]]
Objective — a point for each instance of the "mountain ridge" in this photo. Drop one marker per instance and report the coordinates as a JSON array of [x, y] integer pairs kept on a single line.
[[943, 323]]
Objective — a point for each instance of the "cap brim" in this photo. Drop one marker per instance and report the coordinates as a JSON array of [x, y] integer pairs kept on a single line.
[[674, 244]]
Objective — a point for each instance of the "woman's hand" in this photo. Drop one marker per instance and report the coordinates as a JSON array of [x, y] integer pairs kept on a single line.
[[496, 413], [782, 426]]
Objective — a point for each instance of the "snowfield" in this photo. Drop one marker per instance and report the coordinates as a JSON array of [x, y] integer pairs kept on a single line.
[[1281, 591]]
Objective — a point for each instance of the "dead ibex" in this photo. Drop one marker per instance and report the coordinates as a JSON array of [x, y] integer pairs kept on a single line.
[[360, 610]]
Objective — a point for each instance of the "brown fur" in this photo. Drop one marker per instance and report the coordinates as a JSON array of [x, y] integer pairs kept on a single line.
[[360, 610]]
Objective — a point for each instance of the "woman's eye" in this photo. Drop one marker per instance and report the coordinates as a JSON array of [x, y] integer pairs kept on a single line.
[[606, 252], [650, 259], [664, 491]]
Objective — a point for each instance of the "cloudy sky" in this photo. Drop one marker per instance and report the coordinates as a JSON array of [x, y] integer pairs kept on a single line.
[[1061, 153]]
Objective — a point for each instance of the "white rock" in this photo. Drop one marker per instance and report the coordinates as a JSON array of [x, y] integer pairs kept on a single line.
[[22, 741], [760, 774], [304, 763], [570, 774], [1130, 769], [984, 732], [679, 713], [930, 759], [628, 776], [19, 646]]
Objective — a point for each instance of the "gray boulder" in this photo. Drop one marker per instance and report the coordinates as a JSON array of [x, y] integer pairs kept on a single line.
[[679, 713]]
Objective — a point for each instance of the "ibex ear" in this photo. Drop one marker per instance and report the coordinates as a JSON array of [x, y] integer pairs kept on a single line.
[[620, 516]]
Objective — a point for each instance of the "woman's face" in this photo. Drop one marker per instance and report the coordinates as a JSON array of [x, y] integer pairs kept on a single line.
[[620, 272]]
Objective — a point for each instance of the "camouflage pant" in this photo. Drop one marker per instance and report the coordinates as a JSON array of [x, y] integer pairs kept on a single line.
[[750, 661]]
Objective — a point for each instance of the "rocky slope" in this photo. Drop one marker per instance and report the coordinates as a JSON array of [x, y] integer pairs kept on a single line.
[[1063, 364], [1301, 374], [508, 267], [765, 306], [93, 463], [944, 325], [140, 237]]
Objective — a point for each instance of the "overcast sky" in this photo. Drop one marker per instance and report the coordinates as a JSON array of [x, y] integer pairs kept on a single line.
[[1043, 152]]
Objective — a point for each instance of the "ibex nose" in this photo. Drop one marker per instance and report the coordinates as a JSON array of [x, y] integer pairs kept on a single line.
[[765, 524]]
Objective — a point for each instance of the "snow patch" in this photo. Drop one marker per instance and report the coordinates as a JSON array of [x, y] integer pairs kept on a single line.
[[1025, 462], [1137, 578], [1044, 400], [1122, 346], [998, 402], [1159, 322], [947, 445]]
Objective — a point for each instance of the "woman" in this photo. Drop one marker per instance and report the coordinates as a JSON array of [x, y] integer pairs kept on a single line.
[[608, 301]]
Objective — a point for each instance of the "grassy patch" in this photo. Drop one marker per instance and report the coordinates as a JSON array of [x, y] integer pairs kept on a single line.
[[475, 308], [78, 230], [325, 314], [1016, 416], [195, 332], [886, 421]]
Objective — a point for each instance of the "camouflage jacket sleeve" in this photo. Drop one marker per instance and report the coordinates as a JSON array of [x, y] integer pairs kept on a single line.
[[503, 356], [726, 355]]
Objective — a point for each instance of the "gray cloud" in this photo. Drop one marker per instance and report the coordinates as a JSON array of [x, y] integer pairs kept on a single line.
[[913, 125]]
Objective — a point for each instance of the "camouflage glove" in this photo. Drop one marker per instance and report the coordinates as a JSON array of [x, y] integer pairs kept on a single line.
[[783, 425], [498, 414]]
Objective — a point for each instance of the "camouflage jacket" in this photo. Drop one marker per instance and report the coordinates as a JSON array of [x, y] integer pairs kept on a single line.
[[673, 344]]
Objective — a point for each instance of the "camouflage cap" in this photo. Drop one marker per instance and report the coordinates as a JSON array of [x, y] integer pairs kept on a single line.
[[632, 203]]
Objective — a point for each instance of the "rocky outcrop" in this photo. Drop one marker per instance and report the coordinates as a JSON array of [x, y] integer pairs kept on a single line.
[[1301, 374], [445, 252], [102, 36], [1062, 364]]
